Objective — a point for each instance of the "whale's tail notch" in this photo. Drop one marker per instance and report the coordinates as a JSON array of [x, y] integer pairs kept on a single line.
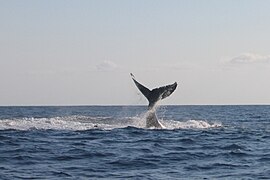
[[154, 95]]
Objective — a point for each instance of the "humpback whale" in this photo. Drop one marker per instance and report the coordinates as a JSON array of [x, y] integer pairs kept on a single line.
[[153, 96]]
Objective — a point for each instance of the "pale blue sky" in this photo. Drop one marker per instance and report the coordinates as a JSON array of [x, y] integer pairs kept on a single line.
[[81, 52]]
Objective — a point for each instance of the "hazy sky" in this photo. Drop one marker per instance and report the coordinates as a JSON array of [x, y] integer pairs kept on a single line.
[[81, 52]]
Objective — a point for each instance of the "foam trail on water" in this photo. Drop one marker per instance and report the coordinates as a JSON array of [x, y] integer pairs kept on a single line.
[[190, 124], [57, 123], [71, 123], [80, 123]]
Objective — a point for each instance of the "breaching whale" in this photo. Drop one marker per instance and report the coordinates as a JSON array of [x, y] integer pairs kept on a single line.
[[153, 96]]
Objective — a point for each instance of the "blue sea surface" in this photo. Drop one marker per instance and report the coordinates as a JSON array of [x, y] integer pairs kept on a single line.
[[110, 142]]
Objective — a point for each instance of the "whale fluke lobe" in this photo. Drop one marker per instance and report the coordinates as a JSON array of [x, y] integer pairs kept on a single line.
[[153, 96], [161, 93], [144, 90]]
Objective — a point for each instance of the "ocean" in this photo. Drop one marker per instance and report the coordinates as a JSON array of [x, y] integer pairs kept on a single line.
[[110, 142]]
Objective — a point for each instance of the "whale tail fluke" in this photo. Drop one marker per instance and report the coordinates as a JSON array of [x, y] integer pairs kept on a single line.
[[154, 95]]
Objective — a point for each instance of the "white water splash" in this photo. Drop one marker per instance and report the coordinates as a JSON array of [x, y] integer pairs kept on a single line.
[[80, 123], [57, 123], [190, 124]]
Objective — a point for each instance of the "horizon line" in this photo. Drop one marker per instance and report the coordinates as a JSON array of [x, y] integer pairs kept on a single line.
[[104, 105]]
